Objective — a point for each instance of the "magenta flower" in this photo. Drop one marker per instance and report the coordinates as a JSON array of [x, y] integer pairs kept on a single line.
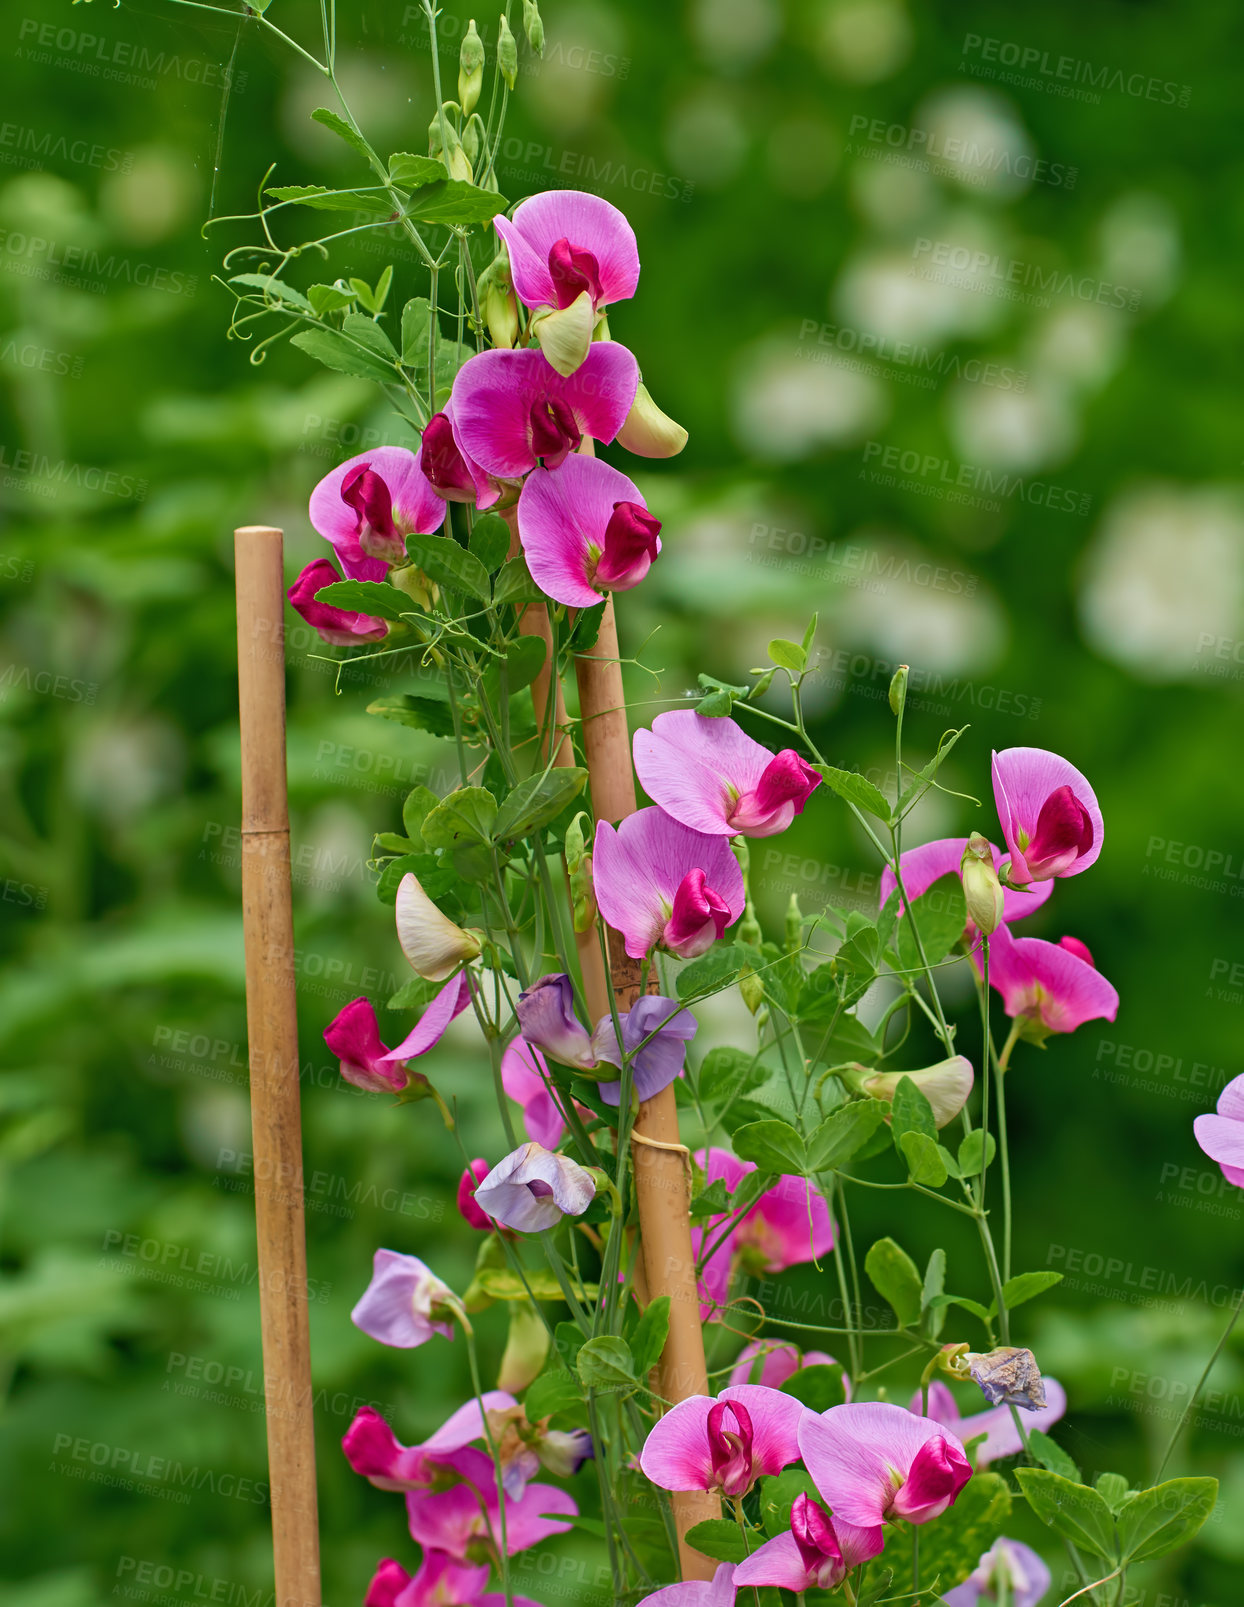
[[547, 1021], [444, 1581], [354, 1037], [586, 531], [452, 1520], [874, 1462], [772, 1361], [449, 468], [563, 242], [995, 1423], [711, 776], [931, 861], [1222, 1136], [525, 1078], [342, 627], [662, 884], [1009, 1563], [817, 1554], [533, 1189], [387, 1584], [667, 1028], [725, 1444], [470, 1180], [1055, 986], [513, 410], [1049, 814], [719, 1591], [368, 506], [405, 1303], [373, 1450]]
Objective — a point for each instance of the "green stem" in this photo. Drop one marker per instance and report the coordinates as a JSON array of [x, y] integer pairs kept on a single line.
[[1192, 1399]]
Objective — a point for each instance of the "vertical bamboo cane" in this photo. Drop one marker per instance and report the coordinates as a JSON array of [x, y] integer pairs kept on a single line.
[[272, 1029]]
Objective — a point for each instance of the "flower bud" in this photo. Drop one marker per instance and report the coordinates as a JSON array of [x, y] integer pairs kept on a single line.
[[898, 689], [473, 136], [982, 891], [507, 54], [501, 313], [454, 157], [648, 432], [946, 1086], [412, 580], [526, 1347], [794, 926], [533, 27], [752, 989], [579, 870], [533, 1189], [470, 69]]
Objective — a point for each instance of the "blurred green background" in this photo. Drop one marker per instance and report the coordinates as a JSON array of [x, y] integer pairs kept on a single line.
[[947, 296]]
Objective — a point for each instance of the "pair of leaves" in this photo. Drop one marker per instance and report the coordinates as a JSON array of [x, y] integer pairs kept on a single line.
[[1116, 1524], [776, 1146]]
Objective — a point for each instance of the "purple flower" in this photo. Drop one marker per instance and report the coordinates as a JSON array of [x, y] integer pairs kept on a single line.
[[368, 506], [726, 1444], [1007, 1561], [996, 1423], [661, 1059], [1055, 987], [456, 1520], [817, 1553], [512, 409], [1049, 814], [927, 864], [547, 1021], [586, 531], [874, 1462], [659, 883], [1222, 1136], [405, 1303], [533, 1189], [340, 626], [711, 776]]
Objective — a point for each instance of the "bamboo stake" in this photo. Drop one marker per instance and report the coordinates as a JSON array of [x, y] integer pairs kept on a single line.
[[272, 1029]]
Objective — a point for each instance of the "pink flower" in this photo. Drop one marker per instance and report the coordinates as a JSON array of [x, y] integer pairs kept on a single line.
[[405, 1303], [388, 1583], [778, 1360], [1007, 1561], [450, 469], [724, 1444], [373, 1450], [817, 1554], [444, 1581], [564, 242], [1222, 1136], [354, 1037], [340, 626], [874, 1462], [1048, 812], [586, 531], [451, 1520], [1054, 985], [470, 1180], [525, 1078], [533, 1189], [711, 776], [662, 884], [927, 864], [719, 1591], [512, 409], [368, 506], [996, 1423]]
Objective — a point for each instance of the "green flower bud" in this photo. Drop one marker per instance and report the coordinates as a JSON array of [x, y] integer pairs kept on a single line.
[[752, 989], [526, 1346], [982, 891], [455, 158], [507, 54], [473, 138], [794, 926], [533, 26], [470, 69], [898, 690]]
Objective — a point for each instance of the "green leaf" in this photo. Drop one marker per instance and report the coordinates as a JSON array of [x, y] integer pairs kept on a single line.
[[911, 1113], [424, 713], [774, 1146], [788, 655], [411, 172], [855, 789], [715, 705], [925, 1160], [515, 585], [418, 805], [606, 1363], [524, 659], [711, 1201], [344, 356], [952, 1547], [586, 628], [490, 540], [718, 1538], [893, 1274], [933, 1318], [453, 202], [777, 1494], [819, 1387], [326, 200], [1114, 1490], [1157, 1520], [970, 1152], [843, 1133], [554, 1391], [536, 801], [342, 131], [374, 597], [651, 1332], [974, 1306], [416, 994], [1075, 1511], [329, 298], [466, 816], [274, 289], [390, 842], [939, 914], [1026, 1286], [726, 1073], [712, 971], [434, 876], [416, 329], [448, 564], [1051, 1455]]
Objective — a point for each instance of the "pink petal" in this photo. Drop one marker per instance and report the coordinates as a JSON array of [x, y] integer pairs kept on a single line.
[[562, 514], [587, 223], [467, 1423], [777, 1562], [387, 1584], [524, 1076], [856, 1454], [696, 768], [1032, 974], [1231, 1099], [775, 1424], [719, 1591], [416, 506], [676, 1452], [938, 1471], [428, 1031], [789, 1224], [354, 1037], [341, 626], [639, 867], [1023, 779], [931, 861]]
